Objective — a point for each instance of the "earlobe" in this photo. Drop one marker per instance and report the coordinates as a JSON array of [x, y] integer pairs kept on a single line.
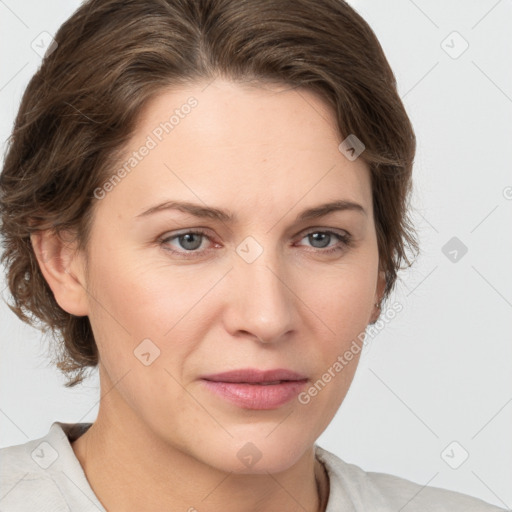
[[63, 270]]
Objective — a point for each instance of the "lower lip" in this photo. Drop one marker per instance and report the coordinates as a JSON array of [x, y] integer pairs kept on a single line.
[[257, 396]]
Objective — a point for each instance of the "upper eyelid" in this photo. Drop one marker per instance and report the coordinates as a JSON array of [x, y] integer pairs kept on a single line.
[[207, 231], [305, 232]]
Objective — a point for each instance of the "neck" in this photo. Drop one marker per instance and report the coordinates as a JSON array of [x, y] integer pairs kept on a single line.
[[130, 469]]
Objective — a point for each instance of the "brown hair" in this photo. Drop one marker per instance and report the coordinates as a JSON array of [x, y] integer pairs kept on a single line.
[[112, 56]]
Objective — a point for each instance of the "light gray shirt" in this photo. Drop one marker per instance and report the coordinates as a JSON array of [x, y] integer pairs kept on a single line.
[[44, 475]]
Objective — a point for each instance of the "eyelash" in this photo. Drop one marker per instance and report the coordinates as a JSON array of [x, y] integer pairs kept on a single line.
[[345, 240]]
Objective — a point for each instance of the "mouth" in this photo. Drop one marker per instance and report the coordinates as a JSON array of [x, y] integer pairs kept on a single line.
[[255, 376], [256, 389], [265, 383]]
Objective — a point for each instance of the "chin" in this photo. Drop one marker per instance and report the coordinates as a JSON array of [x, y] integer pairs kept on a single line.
[[254, 451]]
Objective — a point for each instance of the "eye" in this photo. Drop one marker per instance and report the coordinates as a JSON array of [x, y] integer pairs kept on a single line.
[[323, 238], [188, 242]]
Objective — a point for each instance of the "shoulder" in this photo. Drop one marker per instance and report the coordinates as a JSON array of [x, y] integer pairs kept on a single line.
[[33, 475], [358, 490], [24, 483]]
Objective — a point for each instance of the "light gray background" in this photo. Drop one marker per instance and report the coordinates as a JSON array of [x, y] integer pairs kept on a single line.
[[441, 371]]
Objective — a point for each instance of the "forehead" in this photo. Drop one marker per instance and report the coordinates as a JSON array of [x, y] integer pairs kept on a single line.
[[248, 144], [240, 116]]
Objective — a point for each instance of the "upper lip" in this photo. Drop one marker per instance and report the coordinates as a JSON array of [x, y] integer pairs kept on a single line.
[[255, 375]]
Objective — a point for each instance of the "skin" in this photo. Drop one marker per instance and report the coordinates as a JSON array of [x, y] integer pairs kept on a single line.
[[162, 441]]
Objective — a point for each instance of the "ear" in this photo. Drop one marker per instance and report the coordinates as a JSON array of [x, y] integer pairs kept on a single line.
[[379, 293], [63, 268]]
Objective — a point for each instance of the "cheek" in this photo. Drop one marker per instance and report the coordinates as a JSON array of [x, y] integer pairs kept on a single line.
[[139, 295], [138, 298], [342, 297], [341, 305], [341, 302]]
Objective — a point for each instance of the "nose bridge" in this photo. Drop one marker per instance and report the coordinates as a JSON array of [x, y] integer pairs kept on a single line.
[[262, 298]]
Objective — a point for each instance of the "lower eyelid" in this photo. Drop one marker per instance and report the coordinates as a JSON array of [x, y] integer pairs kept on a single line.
[[344, 239]]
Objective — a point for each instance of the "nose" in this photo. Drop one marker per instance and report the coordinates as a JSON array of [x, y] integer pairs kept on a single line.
[[261, 300]]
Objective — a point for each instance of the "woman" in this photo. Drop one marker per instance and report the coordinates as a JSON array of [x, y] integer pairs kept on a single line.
[[208, 200]]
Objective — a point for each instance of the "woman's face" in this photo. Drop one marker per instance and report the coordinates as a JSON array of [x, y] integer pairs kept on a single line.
[[266, 289]]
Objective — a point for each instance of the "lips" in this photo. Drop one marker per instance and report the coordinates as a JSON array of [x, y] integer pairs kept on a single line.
[[255, 376], [256, 389]]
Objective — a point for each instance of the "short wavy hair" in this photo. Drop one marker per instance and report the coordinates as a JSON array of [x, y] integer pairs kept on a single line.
[[112, 56]]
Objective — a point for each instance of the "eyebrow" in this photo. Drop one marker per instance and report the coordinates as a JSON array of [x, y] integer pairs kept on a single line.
[[225, 216]]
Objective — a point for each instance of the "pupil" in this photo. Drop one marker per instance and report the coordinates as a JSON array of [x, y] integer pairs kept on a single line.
[[187, 240], [325, 236]]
